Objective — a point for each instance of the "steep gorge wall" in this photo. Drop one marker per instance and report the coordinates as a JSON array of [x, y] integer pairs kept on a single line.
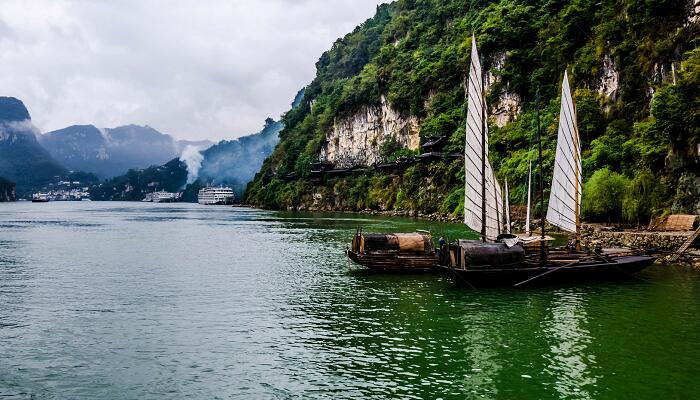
[[358, 140]]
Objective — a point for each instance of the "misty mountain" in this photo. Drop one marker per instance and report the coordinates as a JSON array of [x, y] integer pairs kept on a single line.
[[230, 162], [235, 162], [110, 152], [22, 158]]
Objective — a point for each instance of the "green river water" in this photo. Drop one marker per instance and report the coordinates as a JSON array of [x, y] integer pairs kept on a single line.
[[148, 301]]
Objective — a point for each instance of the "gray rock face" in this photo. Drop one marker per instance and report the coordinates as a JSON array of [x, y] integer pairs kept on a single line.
[[357, 140]]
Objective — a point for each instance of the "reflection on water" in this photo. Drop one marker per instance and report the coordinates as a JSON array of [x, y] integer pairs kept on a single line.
[[569, 362], [120, 300]]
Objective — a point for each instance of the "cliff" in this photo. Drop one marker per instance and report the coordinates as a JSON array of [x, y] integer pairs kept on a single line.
[[358, 139], [381, 126]]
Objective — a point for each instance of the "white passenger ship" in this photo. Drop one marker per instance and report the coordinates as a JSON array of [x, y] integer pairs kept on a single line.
[[160, 197], [215, 195]]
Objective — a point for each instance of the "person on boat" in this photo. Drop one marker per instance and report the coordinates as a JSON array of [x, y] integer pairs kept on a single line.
[[441, 242]]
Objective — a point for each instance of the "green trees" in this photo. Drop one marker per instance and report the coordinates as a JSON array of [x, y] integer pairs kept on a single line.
[[415, 53]]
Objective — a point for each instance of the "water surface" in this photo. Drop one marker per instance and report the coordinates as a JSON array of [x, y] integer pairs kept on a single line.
[[137, 301]]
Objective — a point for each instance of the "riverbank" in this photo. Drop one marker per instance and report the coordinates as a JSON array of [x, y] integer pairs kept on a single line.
[[665, 243]]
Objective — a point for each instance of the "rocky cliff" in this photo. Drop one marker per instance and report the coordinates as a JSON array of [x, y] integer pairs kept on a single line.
[[358, 139]]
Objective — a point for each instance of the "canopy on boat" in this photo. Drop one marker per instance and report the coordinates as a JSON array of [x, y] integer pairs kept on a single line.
[[479, 176], [565, 197], [404, 242]]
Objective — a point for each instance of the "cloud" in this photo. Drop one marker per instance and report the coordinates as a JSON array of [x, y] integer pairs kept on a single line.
[[197, 70]]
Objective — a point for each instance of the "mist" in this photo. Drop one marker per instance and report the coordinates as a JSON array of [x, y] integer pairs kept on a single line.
[[192, 158]]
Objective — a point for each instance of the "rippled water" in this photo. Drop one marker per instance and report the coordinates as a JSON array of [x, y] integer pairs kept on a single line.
[[134, 301]]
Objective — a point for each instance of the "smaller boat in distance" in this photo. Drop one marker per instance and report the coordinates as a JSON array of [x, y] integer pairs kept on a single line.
[[394, 251], [160, 197], [215, 196], [40, 198]]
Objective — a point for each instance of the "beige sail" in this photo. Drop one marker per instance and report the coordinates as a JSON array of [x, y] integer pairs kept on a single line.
[[474, 147], [565, 197]]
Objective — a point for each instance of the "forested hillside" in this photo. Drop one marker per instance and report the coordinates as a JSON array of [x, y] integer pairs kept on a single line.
[[633, 65]]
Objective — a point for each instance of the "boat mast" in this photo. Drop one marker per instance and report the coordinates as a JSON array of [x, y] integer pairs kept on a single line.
[[483, 158], [529, 194], [506, 212], [543, 255], [577, 159]]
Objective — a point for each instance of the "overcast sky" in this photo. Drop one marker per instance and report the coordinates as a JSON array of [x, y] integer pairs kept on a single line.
[[194, 69]]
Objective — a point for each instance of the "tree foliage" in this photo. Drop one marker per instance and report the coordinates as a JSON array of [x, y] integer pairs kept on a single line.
[[414, 55]]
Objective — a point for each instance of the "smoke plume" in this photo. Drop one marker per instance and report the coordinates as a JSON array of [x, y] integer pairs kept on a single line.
[[193, 159]]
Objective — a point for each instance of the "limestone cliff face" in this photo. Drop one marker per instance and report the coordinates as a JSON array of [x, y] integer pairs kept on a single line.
[[358, 140], [509, 105], [609, 78], [693, 11]]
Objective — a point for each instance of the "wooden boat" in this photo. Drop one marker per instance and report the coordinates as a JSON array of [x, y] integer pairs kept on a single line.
[[521, 268], [394, 252], [509, 260]]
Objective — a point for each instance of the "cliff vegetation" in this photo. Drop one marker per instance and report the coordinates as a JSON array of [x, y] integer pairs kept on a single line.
[[634, 68]]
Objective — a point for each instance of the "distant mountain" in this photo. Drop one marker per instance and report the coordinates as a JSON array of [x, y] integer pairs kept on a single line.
[[232, 162], [235, 162], [22, 158], [7, 190], [111, 152]]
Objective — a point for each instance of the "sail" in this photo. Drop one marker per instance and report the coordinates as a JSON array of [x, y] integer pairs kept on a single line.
[[565, 197], [475, 182]]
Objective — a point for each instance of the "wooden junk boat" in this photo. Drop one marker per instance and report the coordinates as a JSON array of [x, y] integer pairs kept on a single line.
[[503, 259], [394, 252]]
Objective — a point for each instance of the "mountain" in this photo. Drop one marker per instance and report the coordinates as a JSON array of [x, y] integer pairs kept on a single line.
[[22, 159], [110, 152], [7, 190], [232, 162], [235, 162], [396, 83]]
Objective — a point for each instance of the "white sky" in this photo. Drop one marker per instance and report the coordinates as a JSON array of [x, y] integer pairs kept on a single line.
[[210, 69]]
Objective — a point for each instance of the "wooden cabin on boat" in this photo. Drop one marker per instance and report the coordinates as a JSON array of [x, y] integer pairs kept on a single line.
[[394, 251]]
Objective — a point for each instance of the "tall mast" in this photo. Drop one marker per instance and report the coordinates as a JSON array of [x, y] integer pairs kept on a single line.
[[529, 195], [483, 160], [543, 255], [577, 163], [506, 212]]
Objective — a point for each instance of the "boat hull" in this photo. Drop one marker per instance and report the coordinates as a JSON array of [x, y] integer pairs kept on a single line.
[[395, 262], [616, 268]]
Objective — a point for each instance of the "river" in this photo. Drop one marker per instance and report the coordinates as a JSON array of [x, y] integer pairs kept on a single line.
[[139, 300]]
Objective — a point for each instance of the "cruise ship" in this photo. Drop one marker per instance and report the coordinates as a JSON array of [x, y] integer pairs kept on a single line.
[[160, 197], [215, 195]]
